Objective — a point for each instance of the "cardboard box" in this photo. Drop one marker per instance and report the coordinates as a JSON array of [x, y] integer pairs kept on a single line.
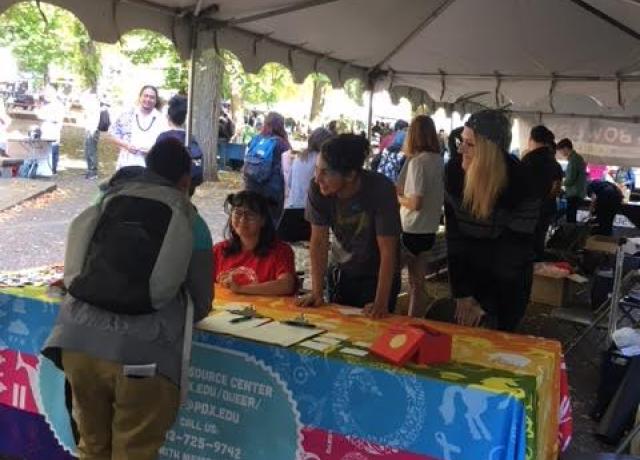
[[600, 243], [557, 292]]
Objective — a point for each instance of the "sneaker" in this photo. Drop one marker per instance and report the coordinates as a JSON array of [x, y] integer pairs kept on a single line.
[[91, 176]]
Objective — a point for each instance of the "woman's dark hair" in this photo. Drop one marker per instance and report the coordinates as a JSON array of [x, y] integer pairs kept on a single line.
[[257, 203], [345, 153], [177, 110], [318, 137], [155, 90], [400, 124], [274, 126], [543, 135], [564, 144], [170, 159]]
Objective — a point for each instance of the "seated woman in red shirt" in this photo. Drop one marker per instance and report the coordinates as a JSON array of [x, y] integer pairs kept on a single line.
[[252, 260]]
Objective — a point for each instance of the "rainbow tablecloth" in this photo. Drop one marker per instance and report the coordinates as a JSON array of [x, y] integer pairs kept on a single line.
[[499, 398]]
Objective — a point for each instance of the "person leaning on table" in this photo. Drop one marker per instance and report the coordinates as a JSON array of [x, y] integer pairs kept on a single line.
[[361, 209], [491, 216], [122, 414]]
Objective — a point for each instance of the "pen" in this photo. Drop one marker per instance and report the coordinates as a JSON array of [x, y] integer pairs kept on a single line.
[[240, 319], [298, 324]]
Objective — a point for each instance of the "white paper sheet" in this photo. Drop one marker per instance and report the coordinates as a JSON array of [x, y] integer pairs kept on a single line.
[[279, 334], [221, 322], [354, 351], [315, 345], [328, 340]]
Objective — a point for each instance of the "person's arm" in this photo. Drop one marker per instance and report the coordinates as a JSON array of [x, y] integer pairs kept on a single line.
[[200, 273], [319, 253], [413, 186], [571, 176], [388, 247], [413, 202], [318, 216], [282, 286]]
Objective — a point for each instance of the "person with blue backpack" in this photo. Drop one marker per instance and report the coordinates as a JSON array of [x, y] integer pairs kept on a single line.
[[263, 164], [392, 159]]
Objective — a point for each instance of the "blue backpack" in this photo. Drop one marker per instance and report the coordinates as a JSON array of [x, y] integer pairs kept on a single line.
[[258, 160]]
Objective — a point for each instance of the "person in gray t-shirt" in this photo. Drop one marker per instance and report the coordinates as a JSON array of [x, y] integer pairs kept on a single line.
[[361, 209]]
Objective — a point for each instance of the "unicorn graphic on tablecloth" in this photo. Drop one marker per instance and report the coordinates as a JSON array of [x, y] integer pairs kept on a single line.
[[476, 399]]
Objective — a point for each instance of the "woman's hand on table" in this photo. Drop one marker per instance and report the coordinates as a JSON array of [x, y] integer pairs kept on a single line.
[[310, 300], [232, 286], [468, 312], [376, 310]]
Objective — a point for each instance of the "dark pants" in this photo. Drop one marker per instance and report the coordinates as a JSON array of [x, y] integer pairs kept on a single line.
[[357, 291], [605, 212], [573, 203], [55, 156], [504, 300], [91, 151], [540, 234]]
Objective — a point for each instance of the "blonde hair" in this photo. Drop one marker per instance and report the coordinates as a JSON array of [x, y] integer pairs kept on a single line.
[[485, 178]]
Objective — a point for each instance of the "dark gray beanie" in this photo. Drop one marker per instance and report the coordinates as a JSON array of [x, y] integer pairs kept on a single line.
[[493, 125]]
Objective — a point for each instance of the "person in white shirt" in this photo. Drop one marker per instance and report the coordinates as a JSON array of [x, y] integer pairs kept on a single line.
[[136, 130], [420, 194], [302, 169], [51, 113]]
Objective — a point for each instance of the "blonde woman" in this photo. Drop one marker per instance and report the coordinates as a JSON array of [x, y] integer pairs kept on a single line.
[[491, 215], [420, 194]]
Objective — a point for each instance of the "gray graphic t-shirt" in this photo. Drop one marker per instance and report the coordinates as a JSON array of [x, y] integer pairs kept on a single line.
[[356, 222]]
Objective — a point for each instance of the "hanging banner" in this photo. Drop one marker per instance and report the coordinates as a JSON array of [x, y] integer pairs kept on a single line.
[[598, 141]]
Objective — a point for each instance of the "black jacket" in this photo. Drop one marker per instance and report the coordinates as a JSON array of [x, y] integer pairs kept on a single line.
[[498, 249]]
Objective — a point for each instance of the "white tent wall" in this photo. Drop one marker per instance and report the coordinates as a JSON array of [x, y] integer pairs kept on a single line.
[[545, 57], [530, 52]]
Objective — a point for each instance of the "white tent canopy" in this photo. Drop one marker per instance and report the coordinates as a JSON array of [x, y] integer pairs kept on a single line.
[[542, 56]]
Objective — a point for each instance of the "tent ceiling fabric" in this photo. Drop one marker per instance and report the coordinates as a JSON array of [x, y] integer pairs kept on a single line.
[[530, 55]]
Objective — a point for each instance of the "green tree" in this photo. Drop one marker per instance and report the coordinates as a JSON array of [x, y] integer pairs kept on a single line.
[[354, 88], [320, 85], [39, 38], [35, 43], [145, 47]]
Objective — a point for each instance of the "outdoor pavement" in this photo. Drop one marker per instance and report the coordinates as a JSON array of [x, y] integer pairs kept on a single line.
[[33, 234], [14, 192]]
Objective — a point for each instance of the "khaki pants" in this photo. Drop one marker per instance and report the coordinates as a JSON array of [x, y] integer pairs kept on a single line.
[[118, 417]]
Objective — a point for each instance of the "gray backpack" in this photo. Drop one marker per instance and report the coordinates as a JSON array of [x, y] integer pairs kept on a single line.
[[130, 252]]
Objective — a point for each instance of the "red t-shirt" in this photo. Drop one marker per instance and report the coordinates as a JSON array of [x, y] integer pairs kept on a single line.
[[247, 268]]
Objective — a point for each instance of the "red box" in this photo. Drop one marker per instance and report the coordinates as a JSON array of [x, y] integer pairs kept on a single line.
[[398, 344], [435, 346]]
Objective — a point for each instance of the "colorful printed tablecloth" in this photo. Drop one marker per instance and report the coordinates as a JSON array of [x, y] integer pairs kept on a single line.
[[499, 397]]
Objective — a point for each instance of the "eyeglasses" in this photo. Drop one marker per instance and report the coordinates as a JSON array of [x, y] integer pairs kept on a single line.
[[249, 216]]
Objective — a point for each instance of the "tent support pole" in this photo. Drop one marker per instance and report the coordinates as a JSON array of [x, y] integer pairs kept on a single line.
[[428, 20], [606, 18], [280, 11], [192, 80], [370, 118], [517, 77]]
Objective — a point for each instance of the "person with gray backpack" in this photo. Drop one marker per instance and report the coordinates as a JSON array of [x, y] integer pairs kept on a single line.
[[138, 271]]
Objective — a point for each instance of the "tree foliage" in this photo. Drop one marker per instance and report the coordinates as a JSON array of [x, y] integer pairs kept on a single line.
[[50, 35], [272, 82], [145, 47]]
